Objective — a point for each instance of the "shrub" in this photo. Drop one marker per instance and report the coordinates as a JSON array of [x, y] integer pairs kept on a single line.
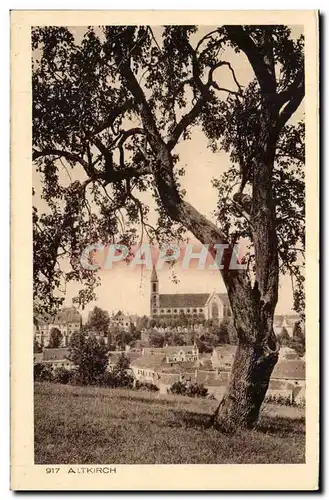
[[193, 390], [147, 386], [63, 376], [116, 379], [279, 400], [178, 388], [42, 373]]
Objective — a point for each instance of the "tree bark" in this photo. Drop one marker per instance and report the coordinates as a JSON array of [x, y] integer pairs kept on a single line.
[[249, 380]]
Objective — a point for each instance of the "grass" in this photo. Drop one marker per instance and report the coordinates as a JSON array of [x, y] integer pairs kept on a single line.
[[116, 426]]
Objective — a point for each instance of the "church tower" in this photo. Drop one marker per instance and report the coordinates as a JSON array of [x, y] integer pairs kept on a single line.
[[154, 300]]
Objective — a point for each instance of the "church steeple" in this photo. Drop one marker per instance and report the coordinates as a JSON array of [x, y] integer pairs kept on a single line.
[[154, 276], [154, 299]]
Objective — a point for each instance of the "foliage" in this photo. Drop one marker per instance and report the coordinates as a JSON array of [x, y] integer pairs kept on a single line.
[[55, 338], [147, 386], [280, 399], [192, 390], [284, 337], [120, 375], [156, 339], [36, 346], [63, 376], [98, 321], [298, 332], [41, 373], [298, 345], [89, 355]]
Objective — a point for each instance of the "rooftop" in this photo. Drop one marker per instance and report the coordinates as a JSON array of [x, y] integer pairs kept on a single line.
[[150, 361], [188, 349], [289, 369], [181, 300], [58, 353]]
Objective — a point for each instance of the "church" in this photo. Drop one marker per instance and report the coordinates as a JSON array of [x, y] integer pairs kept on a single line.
[[198, 305]]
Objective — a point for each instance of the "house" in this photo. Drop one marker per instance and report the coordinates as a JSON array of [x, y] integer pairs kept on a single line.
[[288, 380], [146, 368], [290, 372], [68, 321], [175, 354], [56, 358], [123, 321], [223, 356], [193, 305], [286, 353]]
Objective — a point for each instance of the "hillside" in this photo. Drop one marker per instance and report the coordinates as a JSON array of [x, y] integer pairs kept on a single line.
[[111, 426]]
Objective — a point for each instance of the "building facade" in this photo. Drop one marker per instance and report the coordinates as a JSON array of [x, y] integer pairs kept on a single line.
[[194, 305], [68, 321], [123, 321]]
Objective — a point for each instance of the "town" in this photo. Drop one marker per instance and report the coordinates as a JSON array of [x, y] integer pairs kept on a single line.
[[187, 339]]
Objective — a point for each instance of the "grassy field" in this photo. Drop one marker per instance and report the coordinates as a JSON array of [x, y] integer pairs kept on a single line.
[[113, 426]]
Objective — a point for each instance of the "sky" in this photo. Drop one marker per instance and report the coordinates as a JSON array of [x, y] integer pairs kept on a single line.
[[128, 290]]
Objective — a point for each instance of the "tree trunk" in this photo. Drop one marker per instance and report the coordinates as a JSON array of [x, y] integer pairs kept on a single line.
[[249, 380]]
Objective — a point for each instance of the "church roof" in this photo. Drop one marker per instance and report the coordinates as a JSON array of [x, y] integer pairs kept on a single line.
[[188, 299]]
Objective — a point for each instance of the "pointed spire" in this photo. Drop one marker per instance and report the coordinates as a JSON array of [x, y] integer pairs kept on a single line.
[[154, 276]]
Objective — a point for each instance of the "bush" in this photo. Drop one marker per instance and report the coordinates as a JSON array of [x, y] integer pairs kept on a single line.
[[178, 388], [278, 399], [192, 390], [147, 386], [62, 376], [116, 379], [42, 373]]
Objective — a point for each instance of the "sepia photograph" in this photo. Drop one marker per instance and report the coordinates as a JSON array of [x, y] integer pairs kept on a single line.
[[169, 282]]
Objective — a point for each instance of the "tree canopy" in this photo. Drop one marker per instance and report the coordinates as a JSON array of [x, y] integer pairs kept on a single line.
[[103, 105]]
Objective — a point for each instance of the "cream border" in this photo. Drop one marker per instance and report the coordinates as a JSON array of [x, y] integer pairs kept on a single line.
[[24, 474]]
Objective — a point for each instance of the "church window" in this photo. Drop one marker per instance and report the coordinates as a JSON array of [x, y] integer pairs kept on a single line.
[[200, 310], [175, 310], [194, 310], [188, 310], [154, 287], [168, 310], [154, 311], [162, 310]]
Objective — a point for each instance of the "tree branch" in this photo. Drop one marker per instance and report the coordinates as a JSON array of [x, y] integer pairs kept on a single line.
[[293, 96], [114, 114], [258, 61], [59, 152]]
